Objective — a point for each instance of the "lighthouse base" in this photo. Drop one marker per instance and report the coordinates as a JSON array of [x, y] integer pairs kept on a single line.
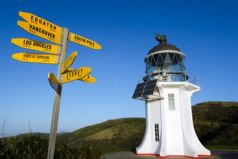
[[176, 156], [169, 124]]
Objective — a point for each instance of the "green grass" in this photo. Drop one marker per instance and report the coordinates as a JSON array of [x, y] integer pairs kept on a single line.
[[225, 148], [216, 124]]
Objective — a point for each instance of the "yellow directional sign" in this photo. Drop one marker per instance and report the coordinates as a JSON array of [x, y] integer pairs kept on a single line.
[[67, 63], [36, 58], [88, 79], [75, 74], [40, 22], [36, 45], [41, 32], [84, 41], [53, 81]]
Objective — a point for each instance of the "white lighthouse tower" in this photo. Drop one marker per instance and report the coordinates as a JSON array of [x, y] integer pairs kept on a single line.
[[167, 95]]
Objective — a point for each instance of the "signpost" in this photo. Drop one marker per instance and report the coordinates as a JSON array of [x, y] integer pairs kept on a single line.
[[54, 33], [36, 45], [55, 114]]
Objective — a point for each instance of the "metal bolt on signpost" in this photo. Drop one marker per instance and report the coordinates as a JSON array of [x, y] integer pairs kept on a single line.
[[54, 33]]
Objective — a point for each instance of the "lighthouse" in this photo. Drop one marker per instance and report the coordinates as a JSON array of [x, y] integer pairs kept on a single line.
[[167, 94]]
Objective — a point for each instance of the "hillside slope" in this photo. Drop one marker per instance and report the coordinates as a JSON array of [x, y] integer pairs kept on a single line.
[[112, 135], [216, 112], [215, 123]]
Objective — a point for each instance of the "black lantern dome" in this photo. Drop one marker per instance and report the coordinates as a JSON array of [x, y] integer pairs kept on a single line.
[[165, 62]]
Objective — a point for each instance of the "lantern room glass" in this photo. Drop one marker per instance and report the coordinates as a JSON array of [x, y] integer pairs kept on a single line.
[[166, 66]]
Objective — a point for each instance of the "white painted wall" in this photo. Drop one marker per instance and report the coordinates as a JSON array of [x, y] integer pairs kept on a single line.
[[148, 145], [177, 134]]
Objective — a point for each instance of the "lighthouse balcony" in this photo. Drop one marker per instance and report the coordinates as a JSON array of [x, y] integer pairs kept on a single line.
[[167, 76]]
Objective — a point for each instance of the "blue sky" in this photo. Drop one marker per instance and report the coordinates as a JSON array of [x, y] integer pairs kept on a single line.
[[206, 31]]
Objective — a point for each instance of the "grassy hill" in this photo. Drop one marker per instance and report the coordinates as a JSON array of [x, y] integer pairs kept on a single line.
[[112, 135], [216, 124], [216, 112]]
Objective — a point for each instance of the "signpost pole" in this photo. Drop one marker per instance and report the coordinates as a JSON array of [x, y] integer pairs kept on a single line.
[[55, 114]]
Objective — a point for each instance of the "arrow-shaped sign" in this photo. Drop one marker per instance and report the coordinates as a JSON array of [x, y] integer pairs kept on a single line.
[[40, 22], [53, 81], [75, 74], [67, 63], [36, 45], [88, 78], [41, 32], [84, 41], [36, 58]]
